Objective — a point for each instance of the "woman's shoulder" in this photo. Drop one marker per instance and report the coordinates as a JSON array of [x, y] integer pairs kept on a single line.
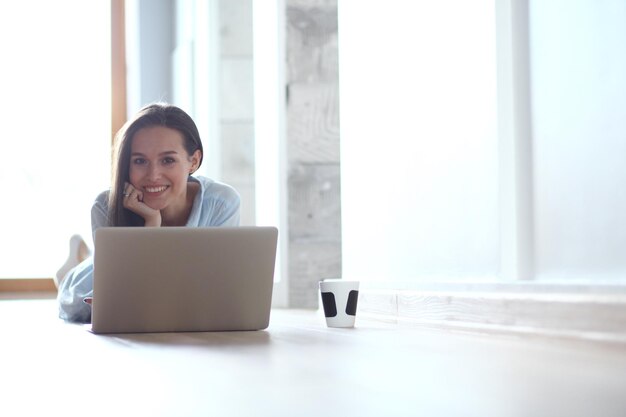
[[216, 190], [99, 211], [216, 204], [102, 200]]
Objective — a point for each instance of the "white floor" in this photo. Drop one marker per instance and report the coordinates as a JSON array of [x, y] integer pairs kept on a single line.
[[298, 367]]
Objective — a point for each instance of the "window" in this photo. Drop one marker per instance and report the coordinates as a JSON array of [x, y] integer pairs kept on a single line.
[[418, 141], [55, 80], [578, 95], [448, 175]]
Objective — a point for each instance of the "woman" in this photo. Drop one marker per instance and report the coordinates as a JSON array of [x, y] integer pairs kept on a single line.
[[156, 154]]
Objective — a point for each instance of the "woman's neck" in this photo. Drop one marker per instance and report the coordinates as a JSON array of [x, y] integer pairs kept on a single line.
[[179, 215]]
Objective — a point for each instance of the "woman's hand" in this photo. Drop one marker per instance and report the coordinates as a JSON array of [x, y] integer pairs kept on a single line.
[[133, 201]]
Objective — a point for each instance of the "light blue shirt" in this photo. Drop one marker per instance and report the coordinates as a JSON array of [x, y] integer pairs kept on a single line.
[[215, 204]]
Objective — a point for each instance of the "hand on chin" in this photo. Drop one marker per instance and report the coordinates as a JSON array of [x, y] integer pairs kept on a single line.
[[134, 201]]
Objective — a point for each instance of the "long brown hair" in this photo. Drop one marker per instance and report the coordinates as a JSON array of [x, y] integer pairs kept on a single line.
[[156, 114]]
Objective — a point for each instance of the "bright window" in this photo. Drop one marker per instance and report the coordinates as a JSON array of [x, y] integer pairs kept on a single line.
[[55, 80], [418, 140], [578, 95], [432, 191]]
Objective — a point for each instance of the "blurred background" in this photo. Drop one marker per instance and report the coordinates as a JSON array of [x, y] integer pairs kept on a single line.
[[401, 144]]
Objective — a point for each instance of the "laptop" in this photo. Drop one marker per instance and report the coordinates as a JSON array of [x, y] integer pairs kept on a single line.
[[180, 279]]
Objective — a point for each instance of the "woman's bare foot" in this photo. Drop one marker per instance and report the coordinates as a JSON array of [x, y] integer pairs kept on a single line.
[[79, 251]]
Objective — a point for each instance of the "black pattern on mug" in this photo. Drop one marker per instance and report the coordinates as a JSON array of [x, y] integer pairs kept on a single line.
[[328, 301], [353, 298]]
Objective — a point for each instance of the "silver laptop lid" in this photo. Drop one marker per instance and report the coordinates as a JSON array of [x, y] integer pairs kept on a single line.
[[182, 279]]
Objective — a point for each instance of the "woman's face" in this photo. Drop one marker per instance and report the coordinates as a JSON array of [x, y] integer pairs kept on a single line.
[[160, 166]]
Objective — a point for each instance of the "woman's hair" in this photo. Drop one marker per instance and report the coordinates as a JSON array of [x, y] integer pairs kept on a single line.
[[156, 114]]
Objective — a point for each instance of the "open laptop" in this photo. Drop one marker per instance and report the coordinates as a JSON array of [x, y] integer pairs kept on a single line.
[[180, 279]]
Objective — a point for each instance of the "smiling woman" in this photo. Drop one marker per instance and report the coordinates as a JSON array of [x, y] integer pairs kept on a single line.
[[55, 79], [156, 152]]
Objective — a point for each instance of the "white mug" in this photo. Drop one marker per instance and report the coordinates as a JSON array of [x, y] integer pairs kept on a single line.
[[339, 299]]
